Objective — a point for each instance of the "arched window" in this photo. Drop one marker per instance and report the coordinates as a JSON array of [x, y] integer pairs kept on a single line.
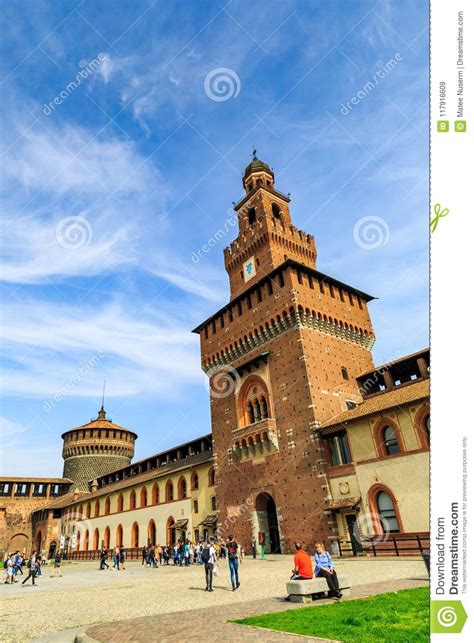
[[107, 538], [96, 509], [252, 216], [155, 494], [86, 540], [88, 510], [212, 477], [133, 500], [143, 497], [194, 481], [427, 428], [107, 506], [96, 540], [390, 441], [182, 488], [276, 211], [253, 402], [387, 513], [135, 535], [119, 536], [80, 516], [169, 491], [78, 541], [120, 503]]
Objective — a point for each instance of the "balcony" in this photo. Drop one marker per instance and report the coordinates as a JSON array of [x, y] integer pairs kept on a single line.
[[255, 440]]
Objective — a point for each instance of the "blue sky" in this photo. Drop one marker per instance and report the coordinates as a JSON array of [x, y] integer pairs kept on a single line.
[[144, 163]]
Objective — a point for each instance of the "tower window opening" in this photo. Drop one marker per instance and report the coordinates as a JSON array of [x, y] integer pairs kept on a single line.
[[252, 216], [331, 290], [231, 315], [276, 211], [259, 295], [311, 282], [359, 301], [341, 294], [281, 280], [206, 332], [249, 302], [239, 307], [321, 287], [300, 277], [270, 287], [351, 299], [345, 374]]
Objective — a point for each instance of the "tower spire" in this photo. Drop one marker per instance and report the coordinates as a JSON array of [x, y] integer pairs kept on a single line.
[[102, 413]]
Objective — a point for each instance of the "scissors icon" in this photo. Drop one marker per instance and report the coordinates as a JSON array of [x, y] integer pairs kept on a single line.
[[438, 215]]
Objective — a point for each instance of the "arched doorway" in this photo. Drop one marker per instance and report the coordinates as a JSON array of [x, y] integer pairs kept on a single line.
[[95, 546], [107, 538], [52, 549], [135, 535], [19, 542], [119, 536], [267, 522], [152, 533], [170, 531]]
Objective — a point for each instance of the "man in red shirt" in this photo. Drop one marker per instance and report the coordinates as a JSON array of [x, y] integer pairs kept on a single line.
[[303, 566]]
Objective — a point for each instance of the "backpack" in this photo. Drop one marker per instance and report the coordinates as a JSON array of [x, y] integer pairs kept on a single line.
[[232, 549], [206, 554]]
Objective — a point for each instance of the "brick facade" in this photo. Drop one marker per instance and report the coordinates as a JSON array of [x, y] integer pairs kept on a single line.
[[305, 337]]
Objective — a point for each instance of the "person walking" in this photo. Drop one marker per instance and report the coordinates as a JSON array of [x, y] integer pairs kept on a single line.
[[187, 554], [31, 570], [122, 558], [234, 555], [58, 556], [9, 565], [325, 569], [144, 556], [159, 552], [103, 558], [208, 557], [116, 558], [18, 563]]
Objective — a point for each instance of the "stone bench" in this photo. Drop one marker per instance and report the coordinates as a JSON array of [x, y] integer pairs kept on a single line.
[[303, 591]]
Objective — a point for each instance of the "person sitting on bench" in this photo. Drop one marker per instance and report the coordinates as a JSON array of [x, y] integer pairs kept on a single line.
[[325, 569], [303, 569]]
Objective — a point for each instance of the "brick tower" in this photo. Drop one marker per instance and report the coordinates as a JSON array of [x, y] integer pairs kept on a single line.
[[96, 448], [282, 357]]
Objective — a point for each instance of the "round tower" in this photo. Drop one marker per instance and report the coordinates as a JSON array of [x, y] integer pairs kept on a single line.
[[95, 449]]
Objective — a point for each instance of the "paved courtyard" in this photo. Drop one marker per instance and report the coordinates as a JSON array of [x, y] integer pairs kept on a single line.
[[85, 596]]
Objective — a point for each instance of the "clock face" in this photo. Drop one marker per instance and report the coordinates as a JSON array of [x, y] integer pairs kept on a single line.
[[249, 269]]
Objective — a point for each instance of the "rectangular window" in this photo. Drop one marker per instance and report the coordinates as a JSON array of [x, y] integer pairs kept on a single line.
[[214, 503], [321, 287], [270, 287], [345, 374], [351, 299], [339, 449], [259, 295], [231, 315], [21, 489], [239, 307], [249, 302], [55, 490], [195, 506], [311, 282], [331, 290], [359, 301], [300, 276], [206, 332], [341, 294], [281, 279], [39, 490], [5, 489]]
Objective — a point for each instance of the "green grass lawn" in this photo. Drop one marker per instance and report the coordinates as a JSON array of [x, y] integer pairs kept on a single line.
[[398, 616]]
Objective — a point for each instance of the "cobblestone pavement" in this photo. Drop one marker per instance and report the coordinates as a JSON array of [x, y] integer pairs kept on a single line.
[[85, 596]]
